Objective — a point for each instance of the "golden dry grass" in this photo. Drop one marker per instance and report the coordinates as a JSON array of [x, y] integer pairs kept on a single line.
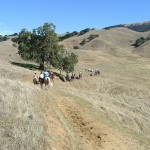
[[109, 111]]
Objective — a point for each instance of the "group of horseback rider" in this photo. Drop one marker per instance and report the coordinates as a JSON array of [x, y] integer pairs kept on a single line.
[[73, 76], [42, 76]]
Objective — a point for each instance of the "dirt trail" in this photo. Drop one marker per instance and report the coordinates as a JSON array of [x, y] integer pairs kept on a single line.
[[73, 127]]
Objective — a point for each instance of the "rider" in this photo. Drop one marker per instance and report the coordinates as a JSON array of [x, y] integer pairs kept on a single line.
[[41, 75], [35, 76], [51, 74], [35, 80], [80, 74], [46, 73], [67, 76]]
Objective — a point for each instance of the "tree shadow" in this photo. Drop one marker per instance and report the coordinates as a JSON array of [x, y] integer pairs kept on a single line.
[[61, 77], [36, 67], [26, 65]]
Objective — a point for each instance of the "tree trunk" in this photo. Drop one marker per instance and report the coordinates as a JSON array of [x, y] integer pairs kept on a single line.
[[42, 62], [41, 67]]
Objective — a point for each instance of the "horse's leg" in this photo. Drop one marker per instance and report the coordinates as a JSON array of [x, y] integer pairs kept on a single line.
[[46, 87]]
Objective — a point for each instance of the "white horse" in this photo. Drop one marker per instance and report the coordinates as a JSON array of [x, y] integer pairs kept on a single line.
[[47, 82]]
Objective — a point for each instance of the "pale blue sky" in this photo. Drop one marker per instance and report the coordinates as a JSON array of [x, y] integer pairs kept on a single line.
[[70, 15]]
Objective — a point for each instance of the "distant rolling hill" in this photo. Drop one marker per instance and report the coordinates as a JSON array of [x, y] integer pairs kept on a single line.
[[115, 41], [139, 27]]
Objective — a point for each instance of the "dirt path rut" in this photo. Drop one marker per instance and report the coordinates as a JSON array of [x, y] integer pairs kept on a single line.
[[72, 127]]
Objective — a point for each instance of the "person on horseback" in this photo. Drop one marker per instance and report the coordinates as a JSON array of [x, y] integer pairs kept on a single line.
[[46, 73], [41, 78], [51, 74], [35, 76], [47, 81], [80, 74], [67, 77], [35, 80], [41, 75]]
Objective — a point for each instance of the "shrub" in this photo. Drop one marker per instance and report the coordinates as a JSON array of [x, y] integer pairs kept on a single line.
[[83, 42], [92, 36], [14, 45], [84, 31], [76, 47], [139, 41]]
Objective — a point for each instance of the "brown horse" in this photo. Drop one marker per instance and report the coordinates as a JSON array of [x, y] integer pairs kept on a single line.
[[35, 81], [52, 77], [41, 81]]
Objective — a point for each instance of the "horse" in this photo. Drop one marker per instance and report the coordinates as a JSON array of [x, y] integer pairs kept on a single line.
[[51, 76], [35, 81], [80, 75], [41, 81], [97, 72], [47, 82]]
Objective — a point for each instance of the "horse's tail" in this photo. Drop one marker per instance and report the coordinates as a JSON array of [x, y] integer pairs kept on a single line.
[[48, 80]]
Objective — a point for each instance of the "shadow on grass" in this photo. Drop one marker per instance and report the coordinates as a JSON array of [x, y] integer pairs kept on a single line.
[[25, 65], [36, 67], [61, 77]]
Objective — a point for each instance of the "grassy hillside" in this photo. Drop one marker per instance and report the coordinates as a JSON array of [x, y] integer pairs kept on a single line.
[[116, 41], [139, 27], [109, 111]]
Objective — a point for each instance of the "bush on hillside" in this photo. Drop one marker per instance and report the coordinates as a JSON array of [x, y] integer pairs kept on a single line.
[[92, 36], [1, 38], [141, 41], [140, 27], [14, 45], [115, 26], [68, 35], [4, 38], [84, 31], [76, 47], [83, 42], [15, 39]]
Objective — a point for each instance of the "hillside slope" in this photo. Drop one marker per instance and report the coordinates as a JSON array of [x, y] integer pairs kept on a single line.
[[116, 41], [139, 26], [105, 112]]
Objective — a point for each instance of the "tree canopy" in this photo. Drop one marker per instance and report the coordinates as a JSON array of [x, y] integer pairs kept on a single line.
[[41, 45]]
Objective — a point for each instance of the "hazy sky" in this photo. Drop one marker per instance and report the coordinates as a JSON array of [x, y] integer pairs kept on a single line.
[[70, 15]]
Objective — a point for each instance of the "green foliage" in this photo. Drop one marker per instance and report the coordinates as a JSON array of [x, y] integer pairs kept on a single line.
[[83, 42], [140, 27], [68, 35], [41, 45], [141, 41], [92, 36], [4, 38], [15, 34], [69, 62], [14, 45], [84, 31], [76, 47], [114, 26], [15, 39], [1, 38], [136, 27]]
